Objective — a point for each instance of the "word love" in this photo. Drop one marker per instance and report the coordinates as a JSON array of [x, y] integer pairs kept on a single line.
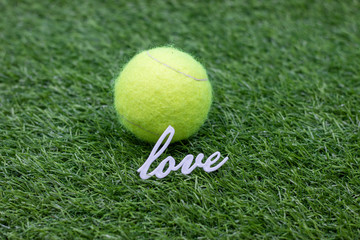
[[185, 164]]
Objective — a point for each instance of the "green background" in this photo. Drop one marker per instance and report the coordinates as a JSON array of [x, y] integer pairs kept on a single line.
[[286, 81]]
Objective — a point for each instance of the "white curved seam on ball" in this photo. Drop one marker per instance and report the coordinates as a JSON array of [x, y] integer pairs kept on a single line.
[[168, 66], [138, 126]]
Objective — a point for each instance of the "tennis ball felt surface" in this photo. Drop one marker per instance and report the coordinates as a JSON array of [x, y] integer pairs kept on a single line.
[[161, 87]]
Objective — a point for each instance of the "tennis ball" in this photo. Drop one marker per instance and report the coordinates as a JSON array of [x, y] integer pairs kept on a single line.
[[161, 87]]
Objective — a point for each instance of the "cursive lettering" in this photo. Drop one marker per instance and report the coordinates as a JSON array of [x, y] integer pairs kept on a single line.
[[186, 165]]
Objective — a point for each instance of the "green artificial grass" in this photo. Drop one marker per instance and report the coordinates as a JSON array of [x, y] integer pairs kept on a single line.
[[286, 81]]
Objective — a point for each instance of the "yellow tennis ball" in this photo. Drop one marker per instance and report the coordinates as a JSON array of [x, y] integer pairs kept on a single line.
[[161, 87]]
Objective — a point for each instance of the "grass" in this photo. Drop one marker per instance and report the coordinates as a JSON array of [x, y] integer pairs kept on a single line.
[[286, 80]]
